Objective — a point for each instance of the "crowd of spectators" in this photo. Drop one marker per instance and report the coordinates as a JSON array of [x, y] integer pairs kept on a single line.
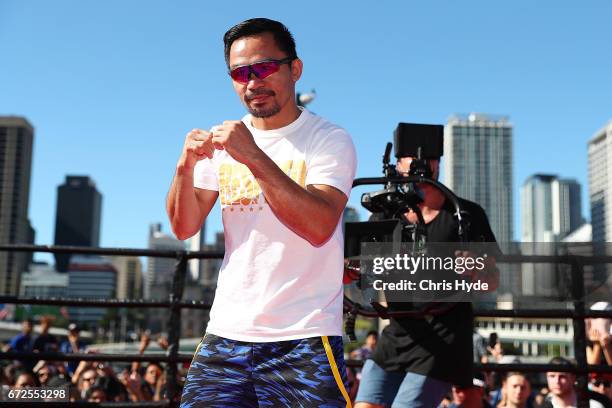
[[92, 381], [517, 390], [97, 381], [514, 389]]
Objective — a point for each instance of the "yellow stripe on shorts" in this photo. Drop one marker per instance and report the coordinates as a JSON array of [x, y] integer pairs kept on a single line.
[[197, 350], [335, 371]]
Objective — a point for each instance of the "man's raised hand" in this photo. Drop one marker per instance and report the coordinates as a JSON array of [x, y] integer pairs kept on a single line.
[[198, 146], [234, 137]]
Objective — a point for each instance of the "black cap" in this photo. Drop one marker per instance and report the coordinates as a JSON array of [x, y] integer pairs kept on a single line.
[[408, 137]]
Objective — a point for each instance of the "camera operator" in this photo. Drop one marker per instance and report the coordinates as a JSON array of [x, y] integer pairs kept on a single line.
[[418, 360]]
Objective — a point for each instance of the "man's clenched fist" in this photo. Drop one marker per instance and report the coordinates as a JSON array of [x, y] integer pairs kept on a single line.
[[198, 146], [234, 137]]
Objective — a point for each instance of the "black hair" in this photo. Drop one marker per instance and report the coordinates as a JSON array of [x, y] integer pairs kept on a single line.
[[282, 36], [111, 386], [561, 361], [98, 385], [158, 365], [20, 371], [372, 333]]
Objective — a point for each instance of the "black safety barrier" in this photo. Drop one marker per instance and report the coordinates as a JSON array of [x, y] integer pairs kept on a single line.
[[53, 404], [577, 314], [175, 304]]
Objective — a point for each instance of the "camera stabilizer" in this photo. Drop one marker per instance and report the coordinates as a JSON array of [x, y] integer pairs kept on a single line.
[[400, 195]]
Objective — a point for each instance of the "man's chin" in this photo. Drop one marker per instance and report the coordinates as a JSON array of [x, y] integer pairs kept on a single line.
[[263, 113]]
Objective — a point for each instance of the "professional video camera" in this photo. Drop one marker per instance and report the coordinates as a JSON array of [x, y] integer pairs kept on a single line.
[[422, 143], [401, 193]]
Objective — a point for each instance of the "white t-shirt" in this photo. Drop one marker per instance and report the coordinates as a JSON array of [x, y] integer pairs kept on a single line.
[[274, 285], [592, 404]]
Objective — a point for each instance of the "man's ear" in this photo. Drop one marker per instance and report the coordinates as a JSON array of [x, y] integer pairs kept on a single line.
[[296, 69]]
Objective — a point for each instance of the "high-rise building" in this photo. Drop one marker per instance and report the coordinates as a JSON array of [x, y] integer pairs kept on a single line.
[[90, 277], [600, 196], [600, 183], [129, 276], [569, 218], [478, 166], [16, 140], [77, 217], [160, 270], [158, 284], [551, 208], [210, 267], [550, 211], [43, 280], [197, 243]]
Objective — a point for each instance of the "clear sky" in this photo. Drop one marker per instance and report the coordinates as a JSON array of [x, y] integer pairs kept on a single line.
[[112, 87]]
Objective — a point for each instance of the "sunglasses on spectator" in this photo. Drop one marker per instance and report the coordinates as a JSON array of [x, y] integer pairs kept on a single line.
[[597, 383], [261, 69]]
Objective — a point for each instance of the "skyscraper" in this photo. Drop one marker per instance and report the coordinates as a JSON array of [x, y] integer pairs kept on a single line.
[[210, 267], [197, 243], [16, 140], [551, 208], [160, 270], [129, 276], [77, 219], [600, 183], [478, 166], [90, 277]]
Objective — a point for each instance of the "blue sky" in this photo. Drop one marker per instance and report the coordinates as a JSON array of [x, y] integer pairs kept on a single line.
[[112, 87]]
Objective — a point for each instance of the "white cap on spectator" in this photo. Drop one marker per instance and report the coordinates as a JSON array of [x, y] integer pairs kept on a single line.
[[601, 306]]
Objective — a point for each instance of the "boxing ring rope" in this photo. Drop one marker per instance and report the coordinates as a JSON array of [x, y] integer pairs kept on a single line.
[[175, 304]]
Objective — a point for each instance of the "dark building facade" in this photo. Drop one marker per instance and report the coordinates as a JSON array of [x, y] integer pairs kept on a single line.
[[78, 215], [16, 140]]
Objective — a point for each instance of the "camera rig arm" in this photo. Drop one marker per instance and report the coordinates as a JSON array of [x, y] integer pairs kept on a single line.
[[393, 201]]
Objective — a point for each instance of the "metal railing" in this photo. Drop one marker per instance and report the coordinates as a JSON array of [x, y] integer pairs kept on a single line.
[[175, 304]]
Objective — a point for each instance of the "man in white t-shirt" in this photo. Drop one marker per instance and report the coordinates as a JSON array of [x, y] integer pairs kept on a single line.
[[282, 176]]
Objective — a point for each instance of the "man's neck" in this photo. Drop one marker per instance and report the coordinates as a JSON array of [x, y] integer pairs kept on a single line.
[[430, 207], [280, 120], [434, 200]]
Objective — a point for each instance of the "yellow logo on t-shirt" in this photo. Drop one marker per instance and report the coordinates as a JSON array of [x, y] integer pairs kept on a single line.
[[239, 190]]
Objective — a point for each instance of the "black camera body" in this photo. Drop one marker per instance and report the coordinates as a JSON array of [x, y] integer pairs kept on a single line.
[[420, 142], [408, 138]]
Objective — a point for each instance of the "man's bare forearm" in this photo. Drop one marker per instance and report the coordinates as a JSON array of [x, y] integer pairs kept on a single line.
[[182, 204], [312, 214], [185, 211]]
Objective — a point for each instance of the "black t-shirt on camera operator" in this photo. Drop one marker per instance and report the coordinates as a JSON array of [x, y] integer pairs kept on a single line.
[[438, 346]]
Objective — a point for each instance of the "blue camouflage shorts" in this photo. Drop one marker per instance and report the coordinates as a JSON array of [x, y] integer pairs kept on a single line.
[[296, 373]]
